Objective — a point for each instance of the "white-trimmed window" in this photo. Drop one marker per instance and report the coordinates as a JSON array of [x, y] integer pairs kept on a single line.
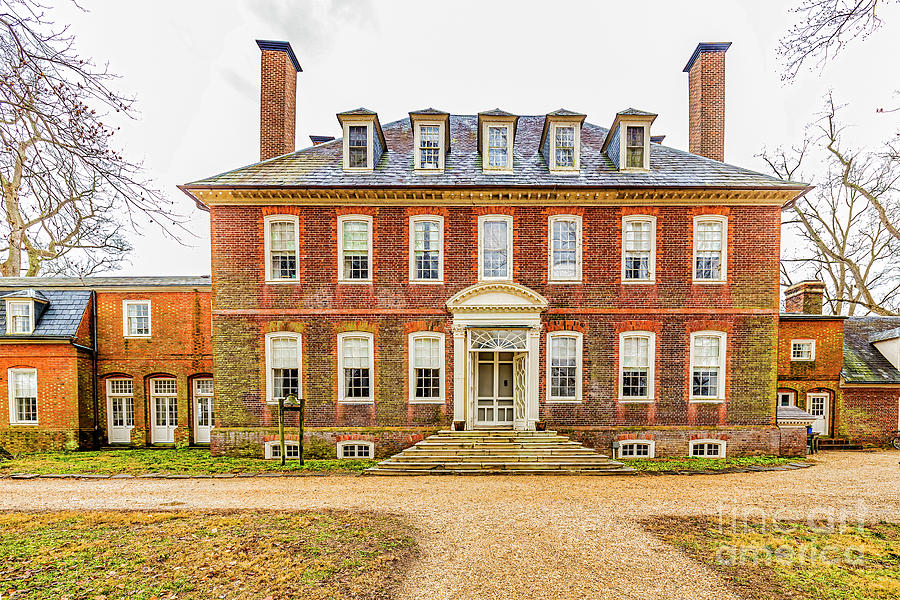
[[708, 366], [707, 448], [787, 398], [637, 449], [564, 248], [638, 248], [803, 350], [19, 316], [355, 449], [283, 365], [291, 449], [282, 247], [498, 147], [23, 408], [564, 356], [356, 350], [710, 249], [136, 318], [495, 247], [120, 393], [426, 249], [429, 140], [636, 146], [355, 248], [564, 144], [358, 146], [426, 367], [637, 358]]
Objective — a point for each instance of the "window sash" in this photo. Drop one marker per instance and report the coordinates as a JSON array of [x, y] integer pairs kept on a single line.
[[708, 249], [24, 384], [358, 145], [801, 351], [138, 318], [429, 146], [495, 248], [563, 366], [283, 249], [20, 317], [565, 147], [635, 367], [355, 246], [356, 363], [427, 249], [634, 449], [498, 146], [638, 242], [356, 451], [164, 387], [634, 150], [564, 249]]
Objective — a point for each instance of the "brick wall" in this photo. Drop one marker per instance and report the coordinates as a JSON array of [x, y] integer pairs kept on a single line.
[[870, 414], [706, 105]]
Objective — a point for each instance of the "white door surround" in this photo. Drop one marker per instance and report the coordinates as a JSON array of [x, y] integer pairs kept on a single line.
[[496, 317]]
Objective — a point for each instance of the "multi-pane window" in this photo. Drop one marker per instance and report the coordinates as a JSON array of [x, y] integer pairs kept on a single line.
[[565, 147], [635, 450], [563, 367], [634, 147], [426, 249], [137, 318], [565, 255], [709, 249], [427, 363], [23, 396], [164, 394], [498, 147], [355, 450], [638, 242], [284, 365], [355, 249], [495, 247], [785, 398], [282, 249], [358, 146], [803, 349], [203, 395], [636, 367], [708, 449], [121, 402], [291, 449], [355, 354], [707, 361], [429, 147], [19, 318]]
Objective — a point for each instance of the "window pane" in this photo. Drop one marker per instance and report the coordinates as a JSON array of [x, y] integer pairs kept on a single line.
[[426, 249], [428, 383], [356, 249], [563, 366], [497, 146], [138, 318], [709, 246], [164, 387], [638, 240], [494, 249], [20, 317], [564, 260], [25, 393], [429, 146], [283, 249]]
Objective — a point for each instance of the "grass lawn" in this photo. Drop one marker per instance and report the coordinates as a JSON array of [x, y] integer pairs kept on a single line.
[[183, 461], [792, 560], [187, 555], [689, 463]]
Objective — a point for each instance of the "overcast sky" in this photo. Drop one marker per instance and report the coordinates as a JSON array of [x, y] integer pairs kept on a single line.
[[194, 69]]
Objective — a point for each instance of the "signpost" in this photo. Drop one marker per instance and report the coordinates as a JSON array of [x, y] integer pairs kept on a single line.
[[291, 404]]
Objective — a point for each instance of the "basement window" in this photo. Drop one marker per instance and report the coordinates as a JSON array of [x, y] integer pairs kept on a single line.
[[637, 449], [707, 448], [291, 449], [355, 449]]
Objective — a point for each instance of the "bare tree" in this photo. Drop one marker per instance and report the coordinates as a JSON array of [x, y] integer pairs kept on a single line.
[[847, 225], [67, 192]]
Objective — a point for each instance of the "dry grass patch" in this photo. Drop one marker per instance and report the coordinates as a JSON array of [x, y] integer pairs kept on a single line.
[[791, 560], [79, 555]]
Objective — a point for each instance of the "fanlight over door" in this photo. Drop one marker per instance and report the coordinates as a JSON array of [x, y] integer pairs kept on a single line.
[[506, 340]]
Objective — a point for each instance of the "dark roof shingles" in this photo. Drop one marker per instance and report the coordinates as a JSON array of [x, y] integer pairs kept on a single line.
[[61, 317], [863, 363]]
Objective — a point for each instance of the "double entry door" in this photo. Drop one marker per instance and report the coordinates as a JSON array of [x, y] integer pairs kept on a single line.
[[499, 380]]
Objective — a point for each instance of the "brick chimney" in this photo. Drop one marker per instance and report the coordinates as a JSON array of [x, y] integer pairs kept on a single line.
[[706, 100], [277, 98], [806, 297]]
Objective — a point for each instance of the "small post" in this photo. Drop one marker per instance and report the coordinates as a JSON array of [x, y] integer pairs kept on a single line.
[[281, 428], [300, 427]]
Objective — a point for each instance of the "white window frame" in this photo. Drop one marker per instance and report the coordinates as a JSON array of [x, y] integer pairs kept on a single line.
[[370, 339], [125, 329], [623, 145], [9, 317], [652, 266], [272, 444], [412, 248], [812, 350], [344, 443], [651, 444], [573, 170], [723, 362], [509, 246], [579, 367], [651, 371], [270, 379], [295, 221], [411, 339], [13, 413], [110, 395], [340, 235], [578, 248], [442, 151], [486, 141], [370, 145], [721, 443], [790, 394], [723, 276]]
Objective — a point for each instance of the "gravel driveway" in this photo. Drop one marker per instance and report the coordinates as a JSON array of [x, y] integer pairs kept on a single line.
[[525, 537]]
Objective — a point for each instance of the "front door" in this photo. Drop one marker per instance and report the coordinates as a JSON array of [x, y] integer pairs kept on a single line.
[[818, 405], [203, 410], [494, 389], [119, 410], [163, 411]]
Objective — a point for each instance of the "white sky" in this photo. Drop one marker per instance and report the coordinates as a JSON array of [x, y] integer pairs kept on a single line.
[[194, 68]]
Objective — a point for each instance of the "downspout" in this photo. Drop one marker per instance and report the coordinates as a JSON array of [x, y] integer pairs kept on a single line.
[[94, 367]]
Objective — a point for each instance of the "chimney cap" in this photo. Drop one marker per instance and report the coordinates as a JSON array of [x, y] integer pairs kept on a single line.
[[706, 47], [280, 47]]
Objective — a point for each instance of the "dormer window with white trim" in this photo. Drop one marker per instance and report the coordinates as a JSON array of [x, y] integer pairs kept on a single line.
[[19, 317], [564, 147], [431, 139], [560, 143], [496, 137], [429, 147], [498, 147], [635, 147], [358, 146], [628, 143], [363, 140]]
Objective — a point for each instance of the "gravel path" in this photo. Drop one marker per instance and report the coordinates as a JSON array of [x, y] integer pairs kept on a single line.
[[526, 537]]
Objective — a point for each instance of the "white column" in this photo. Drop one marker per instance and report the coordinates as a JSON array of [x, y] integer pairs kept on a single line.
[[532, 392], [459, 372]]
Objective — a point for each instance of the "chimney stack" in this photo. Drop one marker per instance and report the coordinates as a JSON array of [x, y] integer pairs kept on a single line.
[[806, 297], [277, 98], [706, 100]]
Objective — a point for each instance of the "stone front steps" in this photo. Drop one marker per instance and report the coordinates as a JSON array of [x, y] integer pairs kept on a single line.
[[484, 452]]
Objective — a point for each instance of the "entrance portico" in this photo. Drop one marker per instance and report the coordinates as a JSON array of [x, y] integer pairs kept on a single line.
[[496, 340]]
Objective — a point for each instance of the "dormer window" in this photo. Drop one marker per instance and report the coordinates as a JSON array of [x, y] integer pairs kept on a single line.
[[429, 146], [498, 147], [635, 147], [19, 317], [561, 141], [564, 151], [363, 140], [358, 146], [628, 143], [431, 132], [496, 137]]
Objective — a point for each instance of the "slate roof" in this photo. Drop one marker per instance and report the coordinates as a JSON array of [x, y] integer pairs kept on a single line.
[[890, 334], [28, 294], [321, 166], [104, 282], [792, 413], [863, 363], [61, 317]]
